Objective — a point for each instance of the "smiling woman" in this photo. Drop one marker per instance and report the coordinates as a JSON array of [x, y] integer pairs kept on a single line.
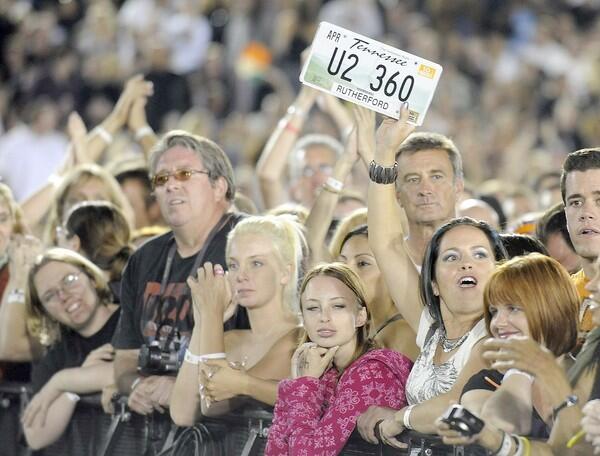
[[70, 310], [530, 296]]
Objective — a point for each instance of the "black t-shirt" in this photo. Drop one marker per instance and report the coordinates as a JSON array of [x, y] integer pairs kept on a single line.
[[145, 315], [483, 381], [70, 351]]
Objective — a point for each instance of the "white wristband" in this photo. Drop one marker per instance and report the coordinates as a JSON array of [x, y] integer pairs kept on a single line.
[[54, 180], [334, 185], [105, 135], [406, 416], [16, 296], [73, 397], [136, 383], [514, 371], [506, 446], [196, 359], [295, 110], [143, 131]]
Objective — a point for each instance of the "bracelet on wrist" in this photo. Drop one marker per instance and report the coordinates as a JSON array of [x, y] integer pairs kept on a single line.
[[383, 174], [505, 447], [135, 383], [73, 397], [190, 358], [406, 417], [16, 295], [104, 135], [294, 110], [54, 180], [333, 185], [569, 401], [143, 131], [514, 371]]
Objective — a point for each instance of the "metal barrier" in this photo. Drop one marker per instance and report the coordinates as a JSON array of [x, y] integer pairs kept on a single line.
[[93, 433]]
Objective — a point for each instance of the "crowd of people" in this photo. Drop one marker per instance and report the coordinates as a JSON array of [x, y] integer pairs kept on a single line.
[[221, 237]]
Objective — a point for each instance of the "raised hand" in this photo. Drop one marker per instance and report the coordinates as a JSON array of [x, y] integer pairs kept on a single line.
[[365, 130], [22, 252], [392, 133], [77, 132], [211, 292], [135, 87]]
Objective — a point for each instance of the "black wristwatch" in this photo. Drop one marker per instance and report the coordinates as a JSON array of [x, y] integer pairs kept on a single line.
[[569, 401]]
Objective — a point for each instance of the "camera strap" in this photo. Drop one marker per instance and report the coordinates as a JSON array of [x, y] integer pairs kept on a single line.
[[199, 256]]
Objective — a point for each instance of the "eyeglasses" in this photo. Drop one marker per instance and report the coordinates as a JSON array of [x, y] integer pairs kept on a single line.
[[181, 175], [68, 283]]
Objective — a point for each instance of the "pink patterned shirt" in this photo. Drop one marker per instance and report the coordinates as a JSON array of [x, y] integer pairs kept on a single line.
[[315, 417]]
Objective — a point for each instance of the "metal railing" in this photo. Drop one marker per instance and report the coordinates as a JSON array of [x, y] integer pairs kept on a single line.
[[91, 432]]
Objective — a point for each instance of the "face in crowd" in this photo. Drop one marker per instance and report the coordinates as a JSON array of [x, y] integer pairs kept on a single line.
[[331, 313], [427, 188], [357, 255], [256, 273], [68, 295], [88, 189], [317, 165], [582, 209], [464, 264], [185, 197]]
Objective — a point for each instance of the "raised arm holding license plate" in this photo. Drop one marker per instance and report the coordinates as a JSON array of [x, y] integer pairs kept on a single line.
[[369, 73]]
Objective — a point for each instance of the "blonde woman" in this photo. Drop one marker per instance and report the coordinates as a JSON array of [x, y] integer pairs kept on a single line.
[[17, 252], [264, 257], [84, 183]]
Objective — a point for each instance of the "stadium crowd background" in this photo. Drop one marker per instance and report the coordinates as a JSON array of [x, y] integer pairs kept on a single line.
[[520, 85], [519, 91]]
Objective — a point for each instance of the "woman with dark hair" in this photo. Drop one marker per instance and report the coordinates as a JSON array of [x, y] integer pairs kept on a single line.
[[388, 327], [337, 373], [100, 232], [70, 310], [459, 260]]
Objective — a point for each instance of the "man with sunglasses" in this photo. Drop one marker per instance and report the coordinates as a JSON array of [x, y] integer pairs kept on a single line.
[[192, 181]]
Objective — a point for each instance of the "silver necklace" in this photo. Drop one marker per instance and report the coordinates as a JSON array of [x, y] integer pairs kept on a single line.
[[451, 344]]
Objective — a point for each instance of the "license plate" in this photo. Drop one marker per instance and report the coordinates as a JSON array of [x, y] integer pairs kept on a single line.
[[369, 73]]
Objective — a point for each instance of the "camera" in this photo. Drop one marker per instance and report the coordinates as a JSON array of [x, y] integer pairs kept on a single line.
[[463, 421], [159, 358]]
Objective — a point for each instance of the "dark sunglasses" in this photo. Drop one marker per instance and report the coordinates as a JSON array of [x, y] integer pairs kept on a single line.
[[181, 175]]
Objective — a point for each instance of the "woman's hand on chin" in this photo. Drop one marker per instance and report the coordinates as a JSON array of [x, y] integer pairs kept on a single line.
[[310, 360]]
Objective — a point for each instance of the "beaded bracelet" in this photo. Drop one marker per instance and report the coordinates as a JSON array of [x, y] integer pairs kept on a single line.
[[383, 174]]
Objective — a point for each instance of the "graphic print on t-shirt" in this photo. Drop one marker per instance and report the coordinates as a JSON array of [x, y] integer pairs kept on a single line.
[[167, 316]]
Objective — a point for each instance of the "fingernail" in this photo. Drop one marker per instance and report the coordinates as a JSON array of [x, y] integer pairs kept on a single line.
[[405, 105]]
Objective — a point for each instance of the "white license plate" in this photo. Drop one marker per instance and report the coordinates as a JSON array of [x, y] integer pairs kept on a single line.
[[369, 73]]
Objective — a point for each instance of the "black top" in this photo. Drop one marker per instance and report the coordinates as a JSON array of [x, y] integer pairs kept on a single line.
[[145, 315], [70, 351], [539, 429]]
